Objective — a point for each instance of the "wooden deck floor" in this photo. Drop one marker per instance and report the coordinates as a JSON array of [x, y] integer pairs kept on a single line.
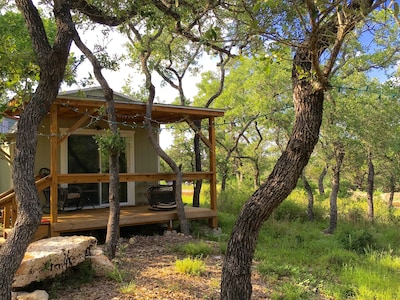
[[91, 219]]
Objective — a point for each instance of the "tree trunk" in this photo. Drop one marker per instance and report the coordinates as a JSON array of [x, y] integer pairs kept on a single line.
[[224, 176], [308, 102], [392, 191], [112, 149], [339, 155], [310, 197], [370, 187], [321, 178], [180, 208], [112, 235], [52, 62], [197, 153]]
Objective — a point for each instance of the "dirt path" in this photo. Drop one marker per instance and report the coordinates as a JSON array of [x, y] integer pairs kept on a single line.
[[149, 263]]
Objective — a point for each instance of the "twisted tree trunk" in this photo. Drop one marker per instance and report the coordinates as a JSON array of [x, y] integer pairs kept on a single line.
[[308, 102], [52, 60]]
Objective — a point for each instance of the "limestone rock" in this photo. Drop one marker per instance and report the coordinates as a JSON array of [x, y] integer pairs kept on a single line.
[[101, 265], [36, 295], [47, 258]]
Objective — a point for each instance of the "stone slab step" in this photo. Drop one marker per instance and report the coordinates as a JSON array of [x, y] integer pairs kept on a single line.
[[47, 258]]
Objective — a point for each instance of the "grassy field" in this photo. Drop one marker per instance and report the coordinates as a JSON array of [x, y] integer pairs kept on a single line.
[[361, 260]]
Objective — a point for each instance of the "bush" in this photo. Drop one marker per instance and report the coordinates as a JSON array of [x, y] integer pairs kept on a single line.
[[231, 200], [357, 241], [190, 266], [290, 211], [200, 248]]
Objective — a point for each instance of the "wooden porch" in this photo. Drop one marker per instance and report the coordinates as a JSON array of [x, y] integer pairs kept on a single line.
[[75, 114], [92, 219]]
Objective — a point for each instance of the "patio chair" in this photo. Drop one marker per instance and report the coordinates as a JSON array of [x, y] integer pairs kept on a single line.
[[161, 197], [67, 197], [73, 197]]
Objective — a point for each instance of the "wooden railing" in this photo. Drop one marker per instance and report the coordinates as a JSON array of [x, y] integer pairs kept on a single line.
[[8, 204]]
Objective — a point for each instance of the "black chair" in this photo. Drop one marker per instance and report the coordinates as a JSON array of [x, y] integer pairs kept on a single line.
[[73, 197], [161, 197], [67, 197]]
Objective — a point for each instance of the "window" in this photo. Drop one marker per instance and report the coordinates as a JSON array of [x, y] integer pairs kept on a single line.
[[80, 154]]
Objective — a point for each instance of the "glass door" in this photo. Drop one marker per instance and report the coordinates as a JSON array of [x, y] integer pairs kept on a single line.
[[85, 157]]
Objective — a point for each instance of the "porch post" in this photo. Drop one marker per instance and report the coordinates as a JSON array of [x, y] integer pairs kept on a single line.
[[53, 167], [213, 169]]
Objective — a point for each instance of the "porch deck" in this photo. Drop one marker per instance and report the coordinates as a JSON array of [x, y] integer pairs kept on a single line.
[[91, 219]]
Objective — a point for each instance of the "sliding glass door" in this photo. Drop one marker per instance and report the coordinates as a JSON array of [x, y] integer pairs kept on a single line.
[[83, 156]]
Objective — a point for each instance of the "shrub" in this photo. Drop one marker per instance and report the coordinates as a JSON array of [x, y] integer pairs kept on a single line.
[[128, 288], [200, 248], [190, 266], [290, 211], [357, 241]]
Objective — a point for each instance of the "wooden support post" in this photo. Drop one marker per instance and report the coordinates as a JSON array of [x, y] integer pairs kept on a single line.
[[53, 166], [213, 169]]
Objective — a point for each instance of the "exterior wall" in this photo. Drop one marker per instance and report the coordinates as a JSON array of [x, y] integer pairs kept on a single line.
[[146, 161], [5, 170]]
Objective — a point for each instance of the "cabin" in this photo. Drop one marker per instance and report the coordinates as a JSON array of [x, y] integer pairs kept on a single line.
[[69, 157]]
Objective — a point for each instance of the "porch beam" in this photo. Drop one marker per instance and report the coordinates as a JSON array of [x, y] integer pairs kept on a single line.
[[213, 170], [77, 125], [53, 164], [6, 156], [198, 131]]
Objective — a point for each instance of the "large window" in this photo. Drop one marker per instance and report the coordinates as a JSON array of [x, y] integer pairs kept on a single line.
[[82, 155]]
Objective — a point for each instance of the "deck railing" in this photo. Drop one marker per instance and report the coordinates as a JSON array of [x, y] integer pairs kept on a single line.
[[8, 204]]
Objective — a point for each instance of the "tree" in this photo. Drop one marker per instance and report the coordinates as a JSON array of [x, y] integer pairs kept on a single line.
[[52, 60], [112, 145], [324, 30], [257, 118]]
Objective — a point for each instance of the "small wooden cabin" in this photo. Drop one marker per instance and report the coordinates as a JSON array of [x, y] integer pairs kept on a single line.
[[66, 146]]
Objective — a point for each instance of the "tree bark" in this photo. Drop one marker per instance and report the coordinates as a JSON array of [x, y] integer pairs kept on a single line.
[[321, 178], [308, 102], [339, 155], [370, 187], [310, 197], [112, 235], [144, 57], [392, 191], [197, 152], [52, 61]]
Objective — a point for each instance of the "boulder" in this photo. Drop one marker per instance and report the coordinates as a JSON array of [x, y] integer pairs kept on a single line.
[[47, 258], [36, 295], [100, 263]]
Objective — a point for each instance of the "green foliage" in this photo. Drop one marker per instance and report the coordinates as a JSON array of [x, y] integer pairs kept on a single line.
[[301, 262], [110, 142], [128, 288], [190, 266], [118, 275], [194, 249], [231, 200], [357, 241]]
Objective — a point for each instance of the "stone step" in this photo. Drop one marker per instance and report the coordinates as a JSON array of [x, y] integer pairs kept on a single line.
[[47, 258]]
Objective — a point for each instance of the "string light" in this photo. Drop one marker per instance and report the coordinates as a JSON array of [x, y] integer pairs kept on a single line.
[[93, 119]]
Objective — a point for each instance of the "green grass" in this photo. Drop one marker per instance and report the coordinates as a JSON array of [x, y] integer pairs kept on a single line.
[[190, 266], [361, 260], [128, 288], [200, 248]]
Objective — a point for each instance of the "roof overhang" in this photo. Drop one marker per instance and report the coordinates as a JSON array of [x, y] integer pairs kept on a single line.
[[127, 109]]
